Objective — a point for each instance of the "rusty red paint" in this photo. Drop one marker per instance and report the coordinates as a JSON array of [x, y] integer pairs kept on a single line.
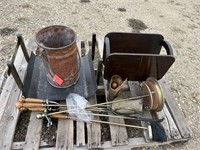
[[59, 48]]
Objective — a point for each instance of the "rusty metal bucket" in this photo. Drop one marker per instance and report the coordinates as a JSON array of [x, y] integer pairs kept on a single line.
[[59, 54]]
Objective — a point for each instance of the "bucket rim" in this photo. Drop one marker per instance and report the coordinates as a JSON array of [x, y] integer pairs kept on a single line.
[[49, 48]]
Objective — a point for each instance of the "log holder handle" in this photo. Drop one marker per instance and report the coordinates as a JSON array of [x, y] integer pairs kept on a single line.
[[10, 63]]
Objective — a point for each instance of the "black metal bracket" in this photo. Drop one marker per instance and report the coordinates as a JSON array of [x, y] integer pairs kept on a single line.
[[24, 50], [99, 70], [167, 47], [11, 67], [93, 45]]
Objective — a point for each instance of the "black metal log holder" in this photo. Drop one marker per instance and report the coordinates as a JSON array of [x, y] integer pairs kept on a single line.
[[100, 60], [35, 84], [10, 63]]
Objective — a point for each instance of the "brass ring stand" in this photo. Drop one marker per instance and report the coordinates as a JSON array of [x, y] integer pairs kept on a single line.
[[156, 100]]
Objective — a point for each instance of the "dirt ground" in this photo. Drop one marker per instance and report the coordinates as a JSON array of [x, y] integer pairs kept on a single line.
[[178, 21]]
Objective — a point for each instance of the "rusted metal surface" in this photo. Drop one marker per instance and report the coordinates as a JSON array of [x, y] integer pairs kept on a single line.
[[59, 53]]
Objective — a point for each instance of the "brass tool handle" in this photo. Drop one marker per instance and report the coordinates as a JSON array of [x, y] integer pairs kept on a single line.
[[30, 100], [119, 124], [62, 116]]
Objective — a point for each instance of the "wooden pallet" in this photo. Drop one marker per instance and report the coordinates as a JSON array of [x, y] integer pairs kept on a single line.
[[88, 135]]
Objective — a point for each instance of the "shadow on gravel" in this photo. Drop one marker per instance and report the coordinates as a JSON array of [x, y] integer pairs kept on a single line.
[[85, 1], [7, 31], [121, 9], [136, 25]]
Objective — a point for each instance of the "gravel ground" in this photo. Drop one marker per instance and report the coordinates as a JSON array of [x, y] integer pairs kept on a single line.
[[178, 21]]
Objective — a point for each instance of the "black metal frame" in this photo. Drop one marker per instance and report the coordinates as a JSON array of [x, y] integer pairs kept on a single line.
[[10, 63], [100, 60]]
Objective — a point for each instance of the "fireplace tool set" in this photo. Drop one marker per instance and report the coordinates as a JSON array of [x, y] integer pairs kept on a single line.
[[58, 72]]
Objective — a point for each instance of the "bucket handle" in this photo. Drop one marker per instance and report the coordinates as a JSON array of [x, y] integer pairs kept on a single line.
[[45, 61]]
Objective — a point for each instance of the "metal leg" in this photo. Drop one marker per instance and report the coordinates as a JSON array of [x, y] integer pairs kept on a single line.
[[99, 70], [21, 42], [93, 45], [13, 71]]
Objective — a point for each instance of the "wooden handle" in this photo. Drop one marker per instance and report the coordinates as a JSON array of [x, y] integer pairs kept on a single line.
[[33, 100], [19, 105], [21, 100], [32, 109], [23, 109], [59, 116], [30, 100]]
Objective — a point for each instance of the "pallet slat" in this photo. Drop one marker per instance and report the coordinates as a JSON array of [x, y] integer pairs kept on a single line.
[[80, 126], [87, 47], [135, 143], [94, 130], [10, 83], [33, 133], [9, 96], [175, 111], [17, 145], [80, 133], [3, 78], [172, 126], [65, 134], [100, 43], [118, 133]]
